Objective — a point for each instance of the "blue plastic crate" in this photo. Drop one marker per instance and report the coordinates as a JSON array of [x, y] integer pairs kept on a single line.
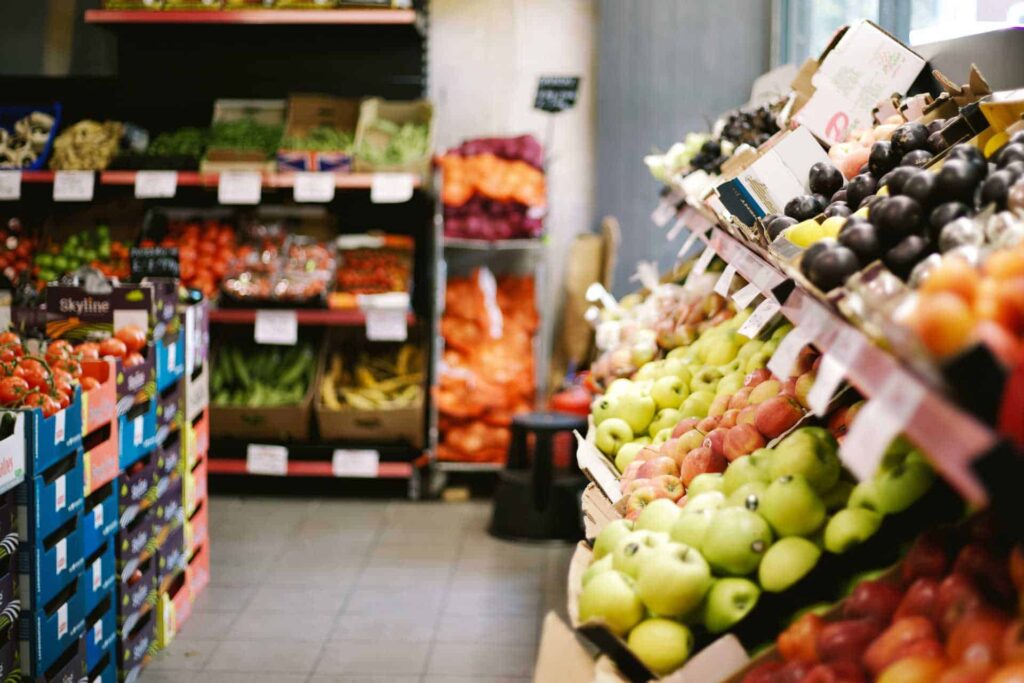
[[99, 517], [47, 631], [47, 563], [106, 670], [50, 499], [100, 628], [99, 575], [9, 115], [137, 432], [170, 361], [51, 438]]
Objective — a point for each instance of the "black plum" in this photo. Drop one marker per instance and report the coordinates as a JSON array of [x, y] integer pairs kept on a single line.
[[945, 213], [921, 188], [909, 137], [839, 196], [860, 188], [936, 143], [832, 267], [902, 258], [971, 154], [897, 178], [1011, 152], [957, 181], [837, 209], [804, 206], [824, 178], [996, 187], [883, 158], [917, 157], [1016, 168], [896, 218], [936, 125], [778, 224], [861, 238]]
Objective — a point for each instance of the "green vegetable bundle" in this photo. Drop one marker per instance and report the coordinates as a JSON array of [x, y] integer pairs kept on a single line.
[[187, 142], [320, 139], [245, 135], [262, 376], [405, 143]]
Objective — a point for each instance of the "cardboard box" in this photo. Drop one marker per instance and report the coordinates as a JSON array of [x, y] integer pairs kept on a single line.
[[174, 607], [49, 500], [266, 112], [100, 519], [598, 511], [170, 359], [99, 406], [136, 596], [282, 423], [199, 570], [52, 438], [137, 432], [60, 667], [194, 490], [171, 556], [101, 461], [134, 646], [196, 323], [9, 604], [46, 563], [100, 629], [134, 487], [170, 510], [197, 441], [168, 411], [415, 111], [13, 448], [105, 670], [45, 632], [169, 454], [132, 544], [77, 313], [9, 655], [306, 112], [561, 658], [197, 528], [196, 396], [99, 574]]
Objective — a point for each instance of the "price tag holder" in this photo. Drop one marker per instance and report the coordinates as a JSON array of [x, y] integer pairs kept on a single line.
[[386, 324], [746, 296], [676, 228], [60, 490], [392, 188], [724, 283], [239, 187], [314, 187], [62, 620], [663, 213], [61, 553], [10, 186], [97, 517], [880, 421], [830, 374], [277, 327], [138, 428], [761, 316], [784, 360], [97, 575], [694, 236], [156, 184], [73, 186], [268, 460], [701, 266], [59, 422], [97, 628], [355, 463]]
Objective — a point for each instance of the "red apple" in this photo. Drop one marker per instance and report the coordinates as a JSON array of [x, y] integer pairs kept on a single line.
[[636, 485], [789, 387], [660, 465], [988, 572], [684, 425], [668, 486], [764, 391], [978, 638], [740, 399], [920, 600], [793, 672], [648, 453], [803, 387], [682, 501], [707, 424], [845, 671], [875, 599], [966, 673], [892, 643], [776, 415], [846, 640], [926, 557], [719, 405], [747, 416], [956, 598], [700, 461], [692, 439], [742, 440], [729, 418], [763, 673], [641, 498], [805, 361], [1013, 642], [839, 422], [715, 440], [756, 377]]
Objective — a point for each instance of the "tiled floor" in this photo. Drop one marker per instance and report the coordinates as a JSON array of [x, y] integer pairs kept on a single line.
[[343, 591]]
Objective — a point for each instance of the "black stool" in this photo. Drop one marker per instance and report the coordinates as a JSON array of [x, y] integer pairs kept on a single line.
[[534, 501]]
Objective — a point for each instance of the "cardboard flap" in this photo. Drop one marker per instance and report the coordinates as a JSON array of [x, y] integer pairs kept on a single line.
[[561, 657], [597, 468], [972, 91]]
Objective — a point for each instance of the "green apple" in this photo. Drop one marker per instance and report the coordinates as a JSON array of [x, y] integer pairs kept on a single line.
[[706, 379], [850, 527], [728, 601], [637, 409], [651, 371], [603, 407], [837, 496], [643, 351], [618, 387], [709, 500], [633, 548], [610, 536], [762, 460], [702, 483], [658, 515], [724, 351], [669, 392], [672, 581], [697, 404], [901, 486], [595, 568], [666, 418], [786, 562], [692, 526], [792, 507], [663, 645], [730, 384], [736, 541], [676, 367], [896, 452], [627, 454], [758, 360], [811, 452], [749, 349], [781, 331], [740, 471], [865, 495], [610, 598], [683, 353], [662, 436], [748, 496], [611, 435]]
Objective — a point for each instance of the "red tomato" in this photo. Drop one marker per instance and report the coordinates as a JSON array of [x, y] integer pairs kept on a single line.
[[89, 383], [113, 347], [133, 337], [33, 372], [133, 359], [70, 367], [9, 338], [8, 354], [88, 350], [47, 404], [56, 350], [12, 389]]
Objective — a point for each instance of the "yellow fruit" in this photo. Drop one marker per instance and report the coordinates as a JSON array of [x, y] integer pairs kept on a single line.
[[804, 234], [832, 226]]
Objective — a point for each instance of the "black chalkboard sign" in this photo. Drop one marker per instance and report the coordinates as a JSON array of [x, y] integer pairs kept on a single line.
[[556, 93], [154, 262]]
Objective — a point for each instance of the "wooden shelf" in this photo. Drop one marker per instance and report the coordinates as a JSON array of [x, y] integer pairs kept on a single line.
[[353, 17]]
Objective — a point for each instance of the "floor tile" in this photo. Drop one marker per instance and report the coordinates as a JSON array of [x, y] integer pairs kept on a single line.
[[307, 599], [151, 675], [510, 630], [297, 625], [394, 576], [364, 678], [476, 679], [212, 625], [238, 677], [264, 656], [377, 658], [469, 659], [498, 599], [187, 655], [221, 598], [399, 628], [409, 599]]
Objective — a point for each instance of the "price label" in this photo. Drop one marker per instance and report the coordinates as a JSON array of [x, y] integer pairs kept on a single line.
[[61, 551], [556, 93], [97, 517], [694, 236], [830, 374], [702, 263], [239, 187], [784, 360], [277, 327], [73, 186], [314, 187], [761, 316], [880, 421], [172, 356], [386, 324], [355, 463], [138, 428], [155, 184], [392, 188], [676, 228], [97, 574], [62, 620], [60, 490], [59, 421], [646, 274], [10, 185], [268, 460], [746, 296], [97, 628], [724, 283], [663, 213]]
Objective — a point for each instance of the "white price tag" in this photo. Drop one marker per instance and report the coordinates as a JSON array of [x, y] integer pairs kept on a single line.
[[277, 327], [138, 428], [239, 187], [97, 574], [694, 236], [702, 263], [830, 374], [62, 620], [880, 421], [60, 490], [746, 296], [724, 283], [155, 184], [783, 361], [59, 421], [386, 324], [97, 516], [666, 208], [355, 463], [761, 316], [392, 188], [676, 228], [10, 185], [5, 317], [73, 186], [314, 187], [61, 551], [97, 631], [172, 356], [270, 460]]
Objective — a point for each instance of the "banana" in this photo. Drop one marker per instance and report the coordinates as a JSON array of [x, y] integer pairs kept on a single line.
[[329, 395], [357, 401], [365, 377]]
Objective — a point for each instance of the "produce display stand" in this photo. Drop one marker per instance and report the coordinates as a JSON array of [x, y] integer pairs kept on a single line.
[[352, 16]]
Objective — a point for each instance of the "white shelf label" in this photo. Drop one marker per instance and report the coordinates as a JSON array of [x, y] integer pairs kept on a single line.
[[73, 186], [10, 185], [277, 327], [60, 489], [761, 316], [62, 620], [97, 516], [59, 422], [694, 236], [97, 628], [783, 361], [97, 574], [746, 296], [880, 421], [355, 463], [155, 184], [172, 356], [676, 228], [386, 324], [269, 460], [830, 374], [61, 551], [239, 187], [665, 209], [724, 283], [391, 188], [138, 427], [702, 263], [314, 187]]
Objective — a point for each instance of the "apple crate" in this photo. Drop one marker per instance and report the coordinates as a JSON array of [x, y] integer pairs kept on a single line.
[[100, 630]]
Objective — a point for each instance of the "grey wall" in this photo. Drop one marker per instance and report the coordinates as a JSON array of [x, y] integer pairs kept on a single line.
[[665, 67]]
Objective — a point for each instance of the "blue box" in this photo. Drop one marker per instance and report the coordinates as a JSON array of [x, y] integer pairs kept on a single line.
[[11, 114], [47, 563], [106, 670], [99, 574], [137, 596], [135, 644], [170, 360], [133, 542], [48, 630], [137, 431], [13, 448], [50, 499], [100, 628], [99, 517], [51, 438]]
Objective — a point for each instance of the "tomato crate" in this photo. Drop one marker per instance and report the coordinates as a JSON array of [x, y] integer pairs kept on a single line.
[[170, 359], [99, 405], [101, 461], [137, 432], [46, 563], [134, 487], [50, 499], [51, 438]]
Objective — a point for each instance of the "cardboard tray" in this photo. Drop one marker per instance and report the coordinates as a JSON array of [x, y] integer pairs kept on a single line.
[[170, 360], [133, 544], [168, 408], [171, 556], [99, 406], [169, 454], [137, 596], [194, 487], [137, 432], [306, 112], [47, 564], [197, 528], [415, 111], [49, 500], [199, 570], [133, 488], [197, 442], [174, 606], [281, 423], [134, 646], [46, 633], [196, 395], [52, 438]]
